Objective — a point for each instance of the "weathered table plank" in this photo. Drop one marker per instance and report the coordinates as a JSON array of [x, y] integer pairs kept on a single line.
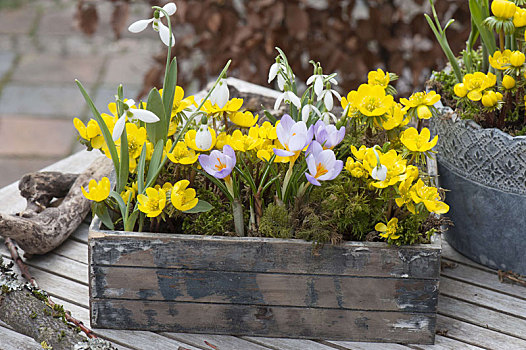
[[487, 298], [220, 341], [444, 343], [293, 344], [73, 250], [483, 317], [11, 340], [368, 346], [478, 336]]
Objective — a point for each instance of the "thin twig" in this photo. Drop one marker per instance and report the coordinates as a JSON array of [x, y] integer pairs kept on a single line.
[[10, 244], [511, 276]]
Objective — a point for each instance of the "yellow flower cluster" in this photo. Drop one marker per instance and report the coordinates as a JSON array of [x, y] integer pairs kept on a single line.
[[373, 105], [474, 85], [154, 201]]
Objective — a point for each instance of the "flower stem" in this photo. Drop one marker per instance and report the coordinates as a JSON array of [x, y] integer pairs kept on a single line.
[[501, 40]]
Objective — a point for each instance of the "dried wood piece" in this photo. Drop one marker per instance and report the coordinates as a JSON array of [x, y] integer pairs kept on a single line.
[[40, 230]]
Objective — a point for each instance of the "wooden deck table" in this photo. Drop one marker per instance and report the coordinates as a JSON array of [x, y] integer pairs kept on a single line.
[[475, 310]]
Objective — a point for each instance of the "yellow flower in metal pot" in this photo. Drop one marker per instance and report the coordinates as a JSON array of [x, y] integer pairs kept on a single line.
[[416, 142], [508, 82], [519, 18], [460, 90], [500, 60]]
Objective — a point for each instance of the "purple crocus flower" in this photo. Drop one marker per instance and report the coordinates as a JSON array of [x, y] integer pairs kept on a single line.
[[322, 164], [219, 164], [294, 136], [327, 135]]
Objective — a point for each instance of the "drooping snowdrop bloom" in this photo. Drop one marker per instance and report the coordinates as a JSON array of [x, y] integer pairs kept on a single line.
[[133, 114], [157, 25], [220, 95], [288, 96], [327, 97], [327, 135], [276, 71], [379, 172], [294, 136], [307, 110], [219, 164], [322, 164], [327, 117], [203, 137], [318, 80]]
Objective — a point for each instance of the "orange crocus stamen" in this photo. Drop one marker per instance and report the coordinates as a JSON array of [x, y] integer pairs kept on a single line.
[[320, 170], [220, 166]]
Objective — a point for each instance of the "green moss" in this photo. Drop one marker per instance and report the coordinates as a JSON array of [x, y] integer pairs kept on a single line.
[[217, 221], [275, 222], [33, 315]]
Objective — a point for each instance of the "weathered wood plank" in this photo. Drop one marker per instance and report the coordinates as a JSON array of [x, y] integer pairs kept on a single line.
[[368, 346], [11, 340], [81, 234], [142, 340], [483, 317], [73, 250], [483, 297], [451, 254], [444, 343], [344, 292], [484, 279], [478, 336], [264, 321], [263, 255], [292, 344], [219, 341]]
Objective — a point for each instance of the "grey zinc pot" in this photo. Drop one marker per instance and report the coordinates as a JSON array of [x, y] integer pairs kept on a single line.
[[484, 171]]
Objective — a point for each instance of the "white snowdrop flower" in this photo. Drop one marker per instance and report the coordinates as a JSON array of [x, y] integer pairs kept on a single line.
[[379, 172], [220, 95], [133, 114], [273, 71], [318, 80], [327, 117], [157, 25], [288, 96], [326, 96], [203, 137], [307, 110]]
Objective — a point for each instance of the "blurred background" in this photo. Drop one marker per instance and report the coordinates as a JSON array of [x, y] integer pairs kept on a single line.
[[46, 44]]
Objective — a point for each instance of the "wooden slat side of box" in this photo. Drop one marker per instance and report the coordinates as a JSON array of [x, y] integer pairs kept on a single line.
[[263, 255], [376, 326], [343, 292]]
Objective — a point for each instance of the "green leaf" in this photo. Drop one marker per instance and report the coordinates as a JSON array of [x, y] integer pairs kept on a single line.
[[103, 127], [120, 203], [101, 211], [140, 170], [479, 13], [269, 116], [169, 91], [124, 164], [155, 162], [158, 130], [120, 99], [132, 219], [201, 207]]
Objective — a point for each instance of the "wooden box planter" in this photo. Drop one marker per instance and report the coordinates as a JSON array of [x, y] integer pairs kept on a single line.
[[360, 291]]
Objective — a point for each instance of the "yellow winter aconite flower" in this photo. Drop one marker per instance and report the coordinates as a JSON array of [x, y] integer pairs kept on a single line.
[[491, 98], [222, 140], [136, 139], [181, 154], [90, 132], [500, 60], [183, 198], [355, 168], [405, 195], [97, 191], [460, 90], [351, 103], [372, 101], [153, 203], [503, 9], [189, 139], [180, 103], [243, 143], [230, 107], [477, 82], [395, 117], [129, 191], [244, 119], [389, 230], [393, 161], [267, 131], [508, 82], [416, 142], [517, 59], [379, 78], [421, 101], [519, 18], [429, 196]]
